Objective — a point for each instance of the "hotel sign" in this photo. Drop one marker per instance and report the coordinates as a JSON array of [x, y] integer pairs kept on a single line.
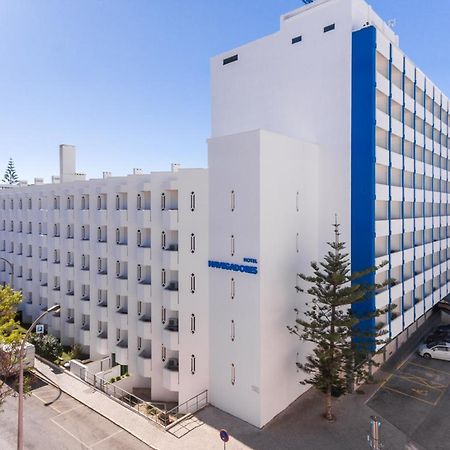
[[244, 268]]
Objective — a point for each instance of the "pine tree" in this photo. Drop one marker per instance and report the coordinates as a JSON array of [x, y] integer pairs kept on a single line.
[[341, 347], [10, 176]]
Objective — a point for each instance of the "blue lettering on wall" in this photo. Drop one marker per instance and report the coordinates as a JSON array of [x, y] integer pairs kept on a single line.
[[233, 267]]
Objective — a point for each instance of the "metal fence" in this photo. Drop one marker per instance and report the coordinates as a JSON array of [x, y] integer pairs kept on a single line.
[[155, 411]]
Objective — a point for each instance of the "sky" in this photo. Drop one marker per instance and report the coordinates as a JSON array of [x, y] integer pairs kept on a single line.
[[127, 81]]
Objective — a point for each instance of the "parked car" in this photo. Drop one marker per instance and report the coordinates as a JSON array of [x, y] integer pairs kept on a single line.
[[439, 351], [438, 336], [443, 328]]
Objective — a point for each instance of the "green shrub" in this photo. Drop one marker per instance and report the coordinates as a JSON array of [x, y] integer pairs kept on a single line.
[[47, 346]]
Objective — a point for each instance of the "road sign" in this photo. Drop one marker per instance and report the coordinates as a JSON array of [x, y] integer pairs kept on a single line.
[[224, 435], [39, 329]]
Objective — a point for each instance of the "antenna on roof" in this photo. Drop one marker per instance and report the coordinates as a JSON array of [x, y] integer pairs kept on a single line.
[[306, 2], [392, 23]]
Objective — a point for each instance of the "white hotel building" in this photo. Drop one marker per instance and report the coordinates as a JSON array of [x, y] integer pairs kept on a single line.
[[188, 277]]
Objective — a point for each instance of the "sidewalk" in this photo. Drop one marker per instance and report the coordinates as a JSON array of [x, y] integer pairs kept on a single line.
[[202, 436]]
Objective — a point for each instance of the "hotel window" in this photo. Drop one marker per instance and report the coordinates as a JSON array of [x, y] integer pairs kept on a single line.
[[39, 227], [99, 326], [139, 343], [99, 265], [69, 232], [117, 202], [56, 256], [297, 201], [20, 203], [117, 334], [230, 59], [11, 226], [117, 235], [329, 28], [297, 242], [163, 315], [233, 374], [30, 227], [39, 203], [192, 242], [192, 364], [56, 203], [233, 288], [192, 201], [85, 262], [139, 308], [233, 201], [163, 353], [163, 240], [192, 323], [232, 245], [118, 268], [117, 301], [139, 272], [139, 202], [139, 238], [163, 277], [99, 202], [233, 331], [84, 202], [30, 203], [192, 283], [163, 201], [70, 202]]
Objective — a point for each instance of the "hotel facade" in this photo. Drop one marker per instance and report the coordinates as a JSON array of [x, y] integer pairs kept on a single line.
[[187, 277]]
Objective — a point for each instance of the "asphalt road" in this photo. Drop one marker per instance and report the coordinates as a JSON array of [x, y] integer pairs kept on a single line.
[[55, 421], [415, 398]]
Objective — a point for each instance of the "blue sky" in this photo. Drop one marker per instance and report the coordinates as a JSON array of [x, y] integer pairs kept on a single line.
[[127, 81]]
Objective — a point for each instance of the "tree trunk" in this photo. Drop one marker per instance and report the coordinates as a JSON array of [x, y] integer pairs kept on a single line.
[[328, 414]]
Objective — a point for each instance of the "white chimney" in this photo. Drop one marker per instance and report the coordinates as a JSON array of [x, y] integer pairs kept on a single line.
[[138, 171], [106, 174], [175, 167]]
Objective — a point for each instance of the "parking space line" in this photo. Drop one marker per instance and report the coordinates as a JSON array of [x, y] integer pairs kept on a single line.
[[106, 438], [419, 380], [70, 434], [411, 396], [430, 368], [69, 410]]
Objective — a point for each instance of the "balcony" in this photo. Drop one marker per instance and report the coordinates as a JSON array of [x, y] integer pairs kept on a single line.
[[120, 217], [143, 218], [121, 351], [170, 258], [144, 255], [171, 375], [101, 216], [85, 334], [101, 249], [170, 298], [69, 328], [69, 301], [85, 306], [122, 319], [84, 245], [144, 364], [170, 339], [102, 312], [144, 292], [101, 343], [144, 327], [121, 252], [55, 321], [84, 276], [43, 289], [170, 219]]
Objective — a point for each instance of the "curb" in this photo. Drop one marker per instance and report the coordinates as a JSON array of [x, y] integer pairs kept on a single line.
[[55, 366]]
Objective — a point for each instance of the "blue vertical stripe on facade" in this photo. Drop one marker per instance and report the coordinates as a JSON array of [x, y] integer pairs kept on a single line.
[[363, 164]]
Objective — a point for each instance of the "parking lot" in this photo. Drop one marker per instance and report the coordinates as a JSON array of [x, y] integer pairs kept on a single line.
[[54, 420], [415, 398]]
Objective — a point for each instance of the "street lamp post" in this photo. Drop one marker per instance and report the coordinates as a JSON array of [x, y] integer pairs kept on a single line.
[[54, 308], [11, 272]]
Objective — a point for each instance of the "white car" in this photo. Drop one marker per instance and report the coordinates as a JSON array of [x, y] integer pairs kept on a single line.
[[437, 351]]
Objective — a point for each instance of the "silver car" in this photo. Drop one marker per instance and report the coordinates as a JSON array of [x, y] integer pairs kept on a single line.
[[436, 351]]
